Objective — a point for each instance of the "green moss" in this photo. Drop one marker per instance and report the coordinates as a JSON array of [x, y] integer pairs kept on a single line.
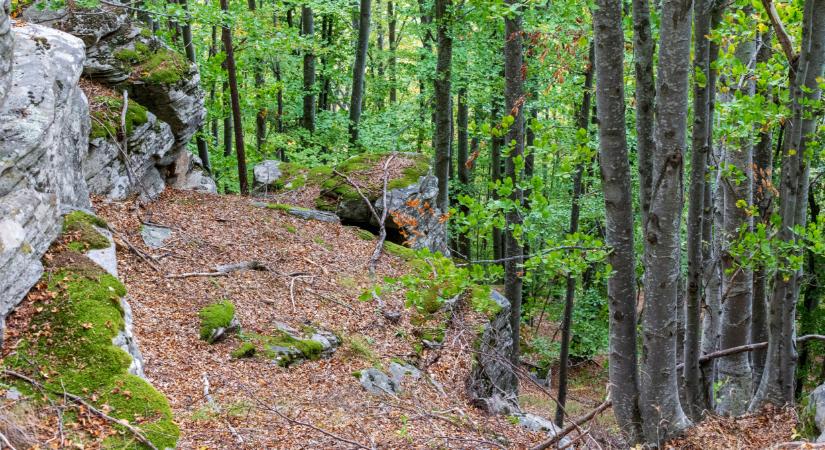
[[245, 350], [290, 228], [106, 121], [76, 354], [364, 234], [80, 225], [297, 348], [162, 67], [341, 190], [285, 207], [217, 315], [400, 251], [410, 175]]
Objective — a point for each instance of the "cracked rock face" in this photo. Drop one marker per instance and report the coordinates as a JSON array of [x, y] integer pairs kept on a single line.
[[44, 129], [6, 41]]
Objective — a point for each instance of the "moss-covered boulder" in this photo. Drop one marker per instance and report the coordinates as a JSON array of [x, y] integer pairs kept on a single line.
[[286, 346], [70, 346], [216, 320]]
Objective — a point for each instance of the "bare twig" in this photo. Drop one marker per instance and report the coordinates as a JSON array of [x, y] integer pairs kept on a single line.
[[526, 257], [140, 253], [224, 270], [79, 400], [750, 348], [197, 274], [217, 408], [577, 423], [6, 441], [382, 231]]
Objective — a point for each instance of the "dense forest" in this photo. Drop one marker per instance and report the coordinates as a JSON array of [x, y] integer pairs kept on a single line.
[[646, 176]]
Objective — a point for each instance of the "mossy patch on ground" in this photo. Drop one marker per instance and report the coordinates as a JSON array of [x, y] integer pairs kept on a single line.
[[106, 116], [283, 348], [69, 347], [245, 350], [364, 234], [400, 251], [357, 168], [215, 316], [79, 229]]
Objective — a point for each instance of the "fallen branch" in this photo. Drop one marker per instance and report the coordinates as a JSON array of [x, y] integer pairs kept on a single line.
[[526, 257], [577, 423], [217, 408], [749, 348], [224, 270], [6, 441], [79, 400], [140, 253], [292, 287]]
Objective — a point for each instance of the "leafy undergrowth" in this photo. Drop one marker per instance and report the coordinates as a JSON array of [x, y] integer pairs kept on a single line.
[[63, 339], [318, 271]]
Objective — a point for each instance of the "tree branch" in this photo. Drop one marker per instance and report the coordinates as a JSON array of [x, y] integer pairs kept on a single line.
[[779, 28]]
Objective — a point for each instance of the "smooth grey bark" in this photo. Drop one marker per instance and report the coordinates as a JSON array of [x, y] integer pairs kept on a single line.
[[643, 47], [616, 184], [582, 121], [777, 383], [694, 392], [660, 405], [495, 162], [308, 32], [513, 97], [443, 110], [763, 199], [734, 371], [358, 70]]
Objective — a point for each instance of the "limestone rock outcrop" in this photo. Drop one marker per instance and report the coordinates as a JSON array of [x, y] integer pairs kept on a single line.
[[44, 128]]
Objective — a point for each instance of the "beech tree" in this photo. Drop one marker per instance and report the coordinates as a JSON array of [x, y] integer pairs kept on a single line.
[[358, 70]]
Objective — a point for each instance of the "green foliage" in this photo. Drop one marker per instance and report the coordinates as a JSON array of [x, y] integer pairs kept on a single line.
[[215, 316], [245, 350]]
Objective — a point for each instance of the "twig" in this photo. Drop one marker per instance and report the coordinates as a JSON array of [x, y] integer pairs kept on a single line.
[[6, 441], [197, 274], [577, 423], [330, 299], [526, 257], [292, 288], [307, 425], [224, 270], [750, 348], [122, 422], [140, 254], [217, 408]]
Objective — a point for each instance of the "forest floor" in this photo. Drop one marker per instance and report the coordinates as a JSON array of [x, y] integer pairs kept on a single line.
[[316, 273]]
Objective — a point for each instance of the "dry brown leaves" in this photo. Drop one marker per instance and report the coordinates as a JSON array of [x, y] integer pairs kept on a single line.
[[209, 230], [751, 431]]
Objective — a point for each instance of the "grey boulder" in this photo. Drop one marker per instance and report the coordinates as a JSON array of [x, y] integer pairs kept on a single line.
[[266, 174], [377, 382]]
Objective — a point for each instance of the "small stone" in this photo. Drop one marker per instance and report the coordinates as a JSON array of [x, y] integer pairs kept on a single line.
[[400, 371], [155, 236], [377, 382], [266, 173]]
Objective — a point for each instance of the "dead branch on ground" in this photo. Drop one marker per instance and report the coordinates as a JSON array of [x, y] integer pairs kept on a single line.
[[217, 408], [576, 425], [224, 270]]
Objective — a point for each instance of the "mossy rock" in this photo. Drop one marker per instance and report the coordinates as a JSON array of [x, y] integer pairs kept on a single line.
[[356, 166], [245, 350], [365, 235], [283, 348], [400, 251], [77, 355], [79, 226], [154, 66], [216, 319], [106, 121]]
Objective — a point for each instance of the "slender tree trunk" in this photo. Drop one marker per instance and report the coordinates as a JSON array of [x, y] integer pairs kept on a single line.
[[777, 383], [189, 48], [734, 371], [495, 161], [213, 50], [643, 47], [660, 403], [694, 391], [358, 71], [461, 161], [393, 44], [443, 112], [279, 96], [236, 104], [379, 56], [763, 199], [813, 292], [514, 101], [582, 121], [258, 76], [227, 120], [308, 31], [616, 184]]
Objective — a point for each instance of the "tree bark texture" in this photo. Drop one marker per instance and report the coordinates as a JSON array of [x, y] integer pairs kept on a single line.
[[514, 101], [461, 161], [308, 32], [358, 70], [660, 403], [616, 184], [643, 47], [236, 104], [443, 112]]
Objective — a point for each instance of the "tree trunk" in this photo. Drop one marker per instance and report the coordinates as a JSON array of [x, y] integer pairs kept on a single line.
[[227, 120], [514, 99], [358, 70], [643, 47], [258, 76], [189, 48], [461, 161], [308, 32], [660, 403], [495, 174], [236, 104], [393, 44], [763, 199], [582, 121], [694, 392], [443, 113], [616, 184], [777, 383]]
